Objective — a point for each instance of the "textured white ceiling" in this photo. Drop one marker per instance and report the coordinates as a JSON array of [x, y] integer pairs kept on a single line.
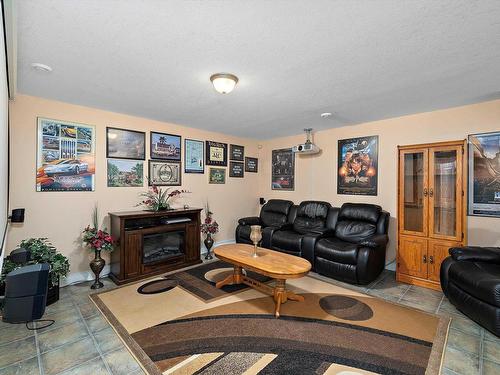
[[362, 60]]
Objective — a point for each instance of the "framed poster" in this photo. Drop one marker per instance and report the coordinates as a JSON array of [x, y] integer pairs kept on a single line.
[[65, 156], [125, 173], [164, 173], [251, 165], [283, 169], [358, 166], [165, 146], [125, 144], [236, 169], [194, 155], [216, 153], [216, 175], [484, 174], [236, 152]]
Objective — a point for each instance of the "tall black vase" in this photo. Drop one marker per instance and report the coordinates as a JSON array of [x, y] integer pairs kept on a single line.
[[96, 265], [209, 242]]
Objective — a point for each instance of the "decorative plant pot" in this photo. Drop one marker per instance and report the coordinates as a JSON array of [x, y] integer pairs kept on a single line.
[[96, 265], [209, 242]]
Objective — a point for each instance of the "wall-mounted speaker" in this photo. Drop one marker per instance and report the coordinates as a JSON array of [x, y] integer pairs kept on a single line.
[[17, 215]]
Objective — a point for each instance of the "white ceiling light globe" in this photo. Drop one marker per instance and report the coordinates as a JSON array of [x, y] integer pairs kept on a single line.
[[224, 83]]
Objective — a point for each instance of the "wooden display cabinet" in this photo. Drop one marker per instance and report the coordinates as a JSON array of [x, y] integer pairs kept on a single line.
[[431, 209]]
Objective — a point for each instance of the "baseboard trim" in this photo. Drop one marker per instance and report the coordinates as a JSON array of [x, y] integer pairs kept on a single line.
[[79, 277]]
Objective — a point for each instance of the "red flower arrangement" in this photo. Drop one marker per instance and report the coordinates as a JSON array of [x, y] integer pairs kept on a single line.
[[210, 226], [157, 199], [97, 239]]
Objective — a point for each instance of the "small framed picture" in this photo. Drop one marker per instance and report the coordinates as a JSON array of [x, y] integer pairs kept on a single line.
[[125, 173], [164, 173], [251, 165], [165, 146], [125, 144], [236, 169], [194, 156], [236, 152], [217, 175], [216, 153]]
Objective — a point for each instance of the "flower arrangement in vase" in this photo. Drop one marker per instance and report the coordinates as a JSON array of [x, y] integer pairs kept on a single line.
[[209, 228], [157, 199], [97, 240]]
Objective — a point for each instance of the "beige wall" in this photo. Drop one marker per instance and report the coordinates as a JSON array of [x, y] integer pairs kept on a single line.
[[316, 174], [61, 216]]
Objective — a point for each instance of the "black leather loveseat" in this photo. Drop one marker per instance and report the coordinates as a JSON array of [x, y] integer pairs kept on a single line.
[[354, 251], [274, 214], [346, 243], [470, 279]]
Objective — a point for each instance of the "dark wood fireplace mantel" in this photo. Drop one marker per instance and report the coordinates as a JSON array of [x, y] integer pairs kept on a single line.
[[133, 230]]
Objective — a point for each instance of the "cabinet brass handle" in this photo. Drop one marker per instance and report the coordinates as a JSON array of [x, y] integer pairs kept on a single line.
[[425, 192], [425, 258], [431, 192], [431, 259]]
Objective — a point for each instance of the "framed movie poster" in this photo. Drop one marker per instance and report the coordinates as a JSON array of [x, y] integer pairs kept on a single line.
[[251, 165], [65, 156], [236, 152], [125, 144], [216, 153], [484, 174], [165, 146], [283, 169], [236, 169], [125, 173], [164, 173], [358, 166], [194, 155], [216, 175]]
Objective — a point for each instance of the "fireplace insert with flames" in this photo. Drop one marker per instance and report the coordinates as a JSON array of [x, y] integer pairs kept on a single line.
[[158, 247]]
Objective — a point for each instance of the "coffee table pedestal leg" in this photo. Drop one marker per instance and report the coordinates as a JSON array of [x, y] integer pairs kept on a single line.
[[235, 278]]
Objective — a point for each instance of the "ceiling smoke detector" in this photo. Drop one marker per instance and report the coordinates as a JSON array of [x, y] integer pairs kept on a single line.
[[41, 67], [326, 115]]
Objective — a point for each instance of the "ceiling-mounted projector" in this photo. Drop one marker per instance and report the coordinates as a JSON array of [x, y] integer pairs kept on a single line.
[[308, 147]]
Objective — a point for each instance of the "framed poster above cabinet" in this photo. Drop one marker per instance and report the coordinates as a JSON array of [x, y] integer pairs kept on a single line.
[[125, 144], [164, 173], [431, 209], [165, 146], [236, 153], [194, 156]]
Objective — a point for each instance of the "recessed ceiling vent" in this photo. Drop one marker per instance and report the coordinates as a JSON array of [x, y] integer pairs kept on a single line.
[[308, 147]]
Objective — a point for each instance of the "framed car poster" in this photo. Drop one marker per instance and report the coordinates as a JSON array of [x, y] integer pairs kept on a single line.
[[164, 173], [358, 166], [236, 153], [283, 169], [125, 144], [165, 146], [216, 175], [236, 169], [251, 165], [65, 156], [194, 156], [484, 174], [216, 153]]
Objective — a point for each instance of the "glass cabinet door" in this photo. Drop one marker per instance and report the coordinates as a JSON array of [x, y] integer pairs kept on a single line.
[[445, 192], [413, 191]]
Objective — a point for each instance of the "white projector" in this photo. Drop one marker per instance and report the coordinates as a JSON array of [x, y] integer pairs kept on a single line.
[[308, 147]]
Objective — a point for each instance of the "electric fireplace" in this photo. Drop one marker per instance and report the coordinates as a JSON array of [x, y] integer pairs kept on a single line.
[[158, 247]]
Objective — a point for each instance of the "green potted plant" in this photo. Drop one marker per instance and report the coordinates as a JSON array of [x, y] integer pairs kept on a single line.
[[42, 251]]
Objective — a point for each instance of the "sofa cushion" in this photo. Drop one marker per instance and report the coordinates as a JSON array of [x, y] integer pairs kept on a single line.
[[244, 231], [354, 231], [336, 250], [360, 212], [287, 240], [311, 217], [480, 279], [275, 212]]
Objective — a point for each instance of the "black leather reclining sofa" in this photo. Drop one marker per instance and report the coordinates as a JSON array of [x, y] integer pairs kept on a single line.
[[346, 243], [470, 279]]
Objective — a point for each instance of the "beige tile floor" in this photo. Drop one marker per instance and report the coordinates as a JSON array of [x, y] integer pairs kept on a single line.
[[82, 342]]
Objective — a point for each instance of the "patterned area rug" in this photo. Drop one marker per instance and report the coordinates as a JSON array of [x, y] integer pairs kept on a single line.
[[184, 325]]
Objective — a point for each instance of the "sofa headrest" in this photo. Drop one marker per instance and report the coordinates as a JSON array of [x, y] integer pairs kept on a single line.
[[360, 211], [314, 209], [279, 206]]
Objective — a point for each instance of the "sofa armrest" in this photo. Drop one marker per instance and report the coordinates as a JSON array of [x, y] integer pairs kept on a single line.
[[251, 220], [378, 240], [267, 235], [308, 245], [476, 254]]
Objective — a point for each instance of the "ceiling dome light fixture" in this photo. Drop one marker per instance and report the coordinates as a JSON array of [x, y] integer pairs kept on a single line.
[[224, 83], [41, 67]]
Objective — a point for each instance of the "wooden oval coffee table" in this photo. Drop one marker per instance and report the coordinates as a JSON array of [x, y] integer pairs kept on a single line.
[[279, 266]]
